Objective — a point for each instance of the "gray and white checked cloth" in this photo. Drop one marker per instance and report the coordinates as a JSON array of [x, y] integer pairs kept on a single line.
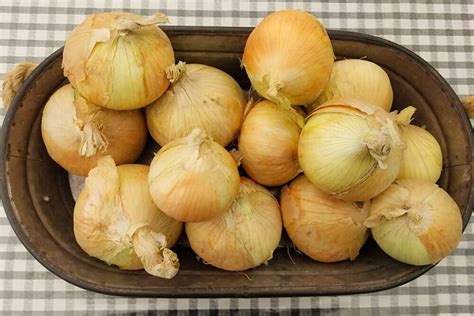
[[442, 32]]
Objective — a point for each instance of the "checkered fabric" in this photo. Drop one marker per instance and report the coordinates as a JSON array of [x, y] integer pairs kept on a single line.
[[441, 32]]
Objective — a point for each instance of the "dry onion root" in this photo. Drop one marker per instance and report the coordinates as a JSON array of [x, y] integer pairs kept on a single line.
[[202, 97], [118, 59], [323, 227], [77, 133], [288, 57], [415, 222], [116, 221], [245, 236]]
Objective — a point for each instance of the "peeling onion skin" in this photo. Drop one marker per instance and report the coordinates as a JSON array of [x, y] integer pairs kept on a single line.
[[202, 97], [289, 57], [415, 221], [125, 132], [193, 178], [268, 143], [245, 236], [358, 79], [323, 227], [118, 59]]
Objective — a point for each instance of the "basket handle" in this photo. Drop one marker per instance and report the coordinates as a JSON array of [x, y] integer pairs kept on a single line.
[[13, 81], [468, 103]]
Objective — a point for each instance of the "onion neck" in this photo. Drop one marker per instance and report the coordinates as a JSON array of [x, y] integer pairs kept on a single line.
[[92, 140], [380, 141], [125, 24], [175, 72], [416, 218], [406, 115], [274, 91], [157, 260]]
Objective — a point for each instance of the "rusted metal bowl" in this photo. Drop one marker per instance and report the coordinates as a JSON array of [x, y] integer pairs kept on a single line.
[[44, 225]]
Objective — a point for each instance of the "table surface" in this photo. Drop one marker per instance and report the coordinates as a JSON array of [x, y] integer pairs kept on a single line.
[[441, 32]]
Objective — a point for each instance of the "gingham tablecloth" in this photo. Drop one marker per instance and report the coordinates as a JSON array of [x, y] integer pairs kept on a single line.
[[441, 32]]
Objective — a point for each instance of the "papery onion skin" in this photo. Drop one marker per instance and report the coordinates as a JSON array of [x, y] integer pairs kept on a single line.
[[202, 97], [268, 143], [113, 207], [118, 59], [193, 178], [422, 158], [245, 236], [325, 228], [358, 79], [350, 149], [415, 222], [289, 57], [133, 184], [125, 132]]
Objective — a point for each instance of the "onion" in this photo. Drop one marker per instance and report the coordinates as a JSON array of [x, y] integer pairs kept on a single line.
[[245, 236], [358, 79], [118, 60], [323, 227], [77, 133], [116, 221], [202, 97], [268, 143], [422, 158], [415, 222], [193, 178], [288, 57], [350, 149]]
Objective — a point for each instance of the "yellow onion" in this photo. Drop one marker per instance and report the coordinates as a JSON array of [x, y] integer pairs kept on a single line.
[[415, 221], [288, 57], [268, 143], [193, 178], [202, 97], [422, 158], [323, 227], [350, 149], [245, 236], [77, 133], [116, 221], [118, 59], [357, 79]]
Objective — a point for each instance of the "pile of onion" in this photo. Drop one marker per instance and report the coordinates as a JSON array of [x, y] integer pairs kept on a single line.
[[366, 170]]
